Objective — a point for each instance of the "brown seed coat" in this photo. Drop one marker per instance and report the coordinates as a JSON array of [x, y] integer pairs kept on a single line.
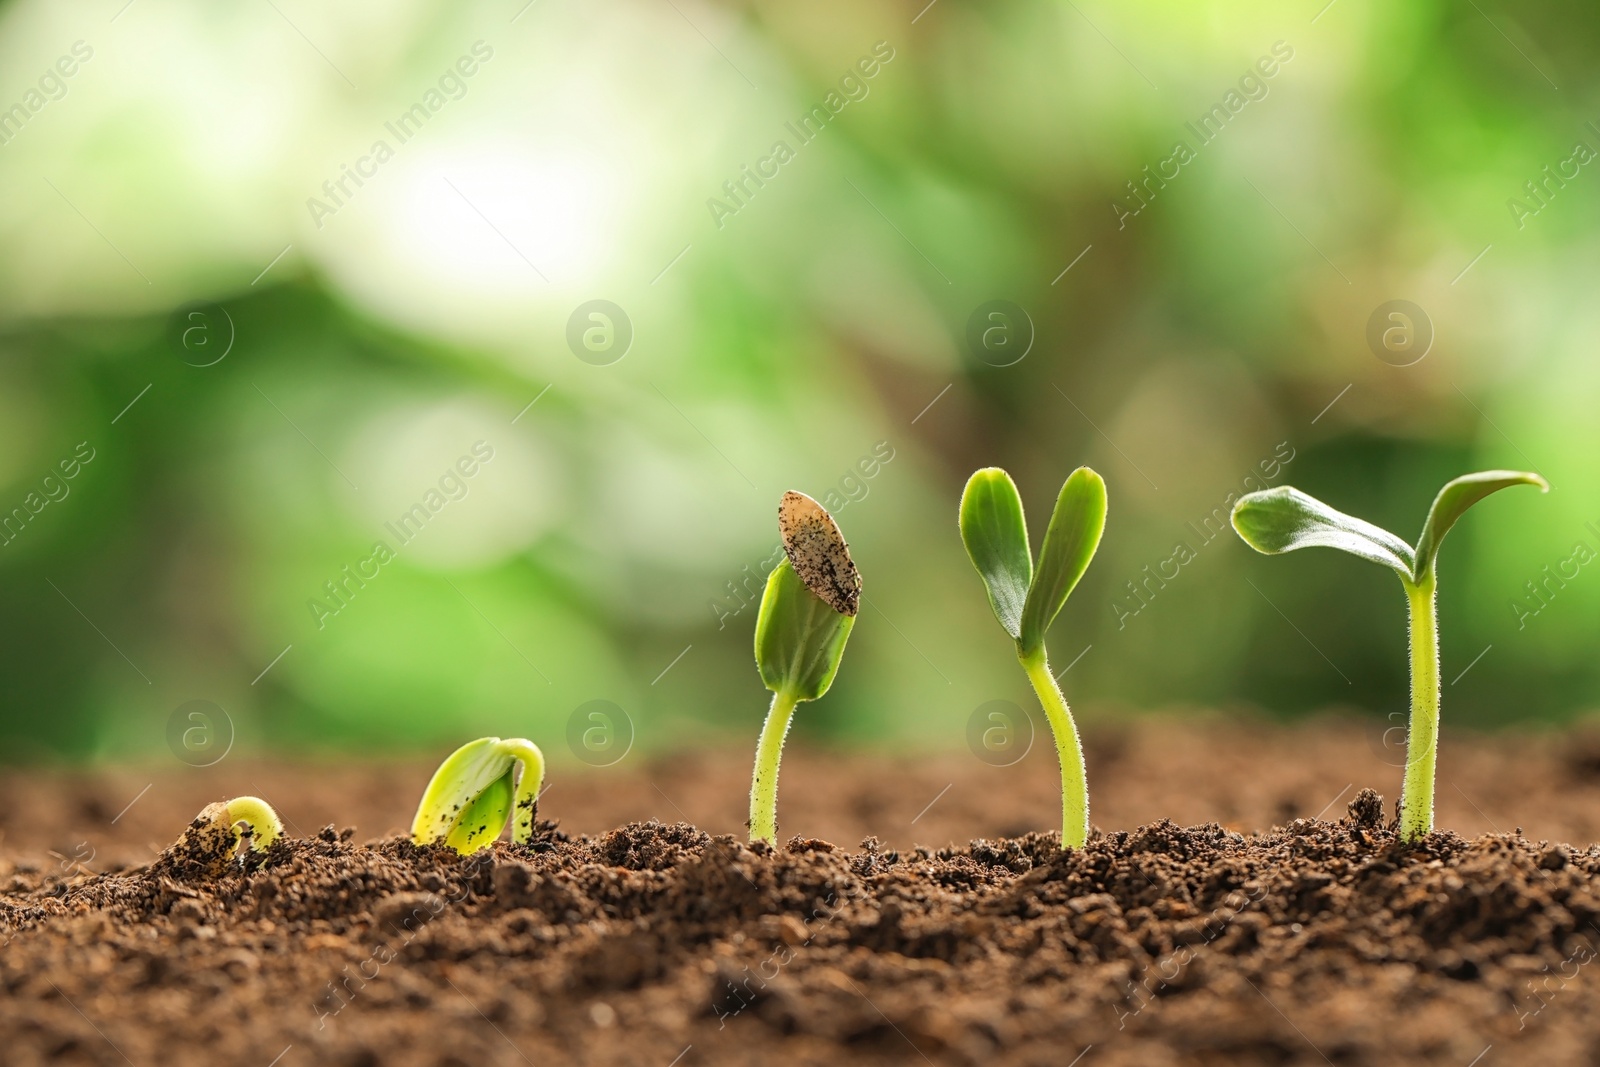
[[818, 552]]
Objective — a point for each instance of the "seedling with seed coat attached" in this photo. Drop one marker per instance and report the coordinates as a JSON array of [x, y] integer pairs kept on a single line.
[[807, 612], [471, 796], [212, 839], [1284, 519], [1027, 599]]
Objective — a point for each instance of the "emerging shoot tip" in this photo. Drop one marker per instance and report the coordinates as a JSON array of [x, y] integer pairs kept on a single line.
[[212, 840], [471, 797]]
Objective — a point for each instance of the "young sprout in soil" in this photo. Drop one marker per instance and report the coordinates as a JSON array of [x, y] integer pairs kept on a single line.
[[807, 611], [1026, 599], [470, 797], [1284, 519], [213, 838]]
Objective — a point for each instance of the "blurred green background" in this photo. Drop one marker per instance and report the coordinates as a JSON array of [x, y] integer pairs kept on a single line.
[[165, 203]]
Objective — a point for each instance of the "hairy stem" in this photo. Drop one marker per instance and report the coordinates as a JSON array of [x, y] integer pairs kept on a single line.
[[527, 800], [1069, 751], [1422, 742], [764, 785]]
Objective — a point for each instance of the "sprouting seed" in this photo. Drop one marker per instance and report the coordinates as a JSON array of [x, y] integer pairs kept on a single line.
[[1026, 599], [1284, 519], [471, 796], [212, 839], [807, 611]]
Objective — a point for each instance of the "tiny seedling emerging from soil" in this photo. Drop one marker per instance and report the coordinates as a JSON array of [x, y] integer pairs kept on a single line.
[[471, 796], [210, 842], [1026, 599], [1284, 519], [807, 611]]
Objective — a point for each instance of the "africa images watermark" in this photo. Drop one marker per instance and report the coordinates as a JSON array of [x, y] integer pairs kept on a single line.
[[1540, 191], [1170, 967], [1542, 591], [1213, 525], [55, 489], [853, 85], [1576, 960], [452, 485], [1252, 87], [52, 86], [452, 85], [340, 992], [729, 1003]]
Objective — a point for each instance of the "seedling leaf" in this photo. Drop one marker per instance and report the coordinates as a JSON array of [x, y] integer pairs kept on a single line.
[[1285, 519], [799, 638], [1069, 544], [481, 821], [1453, 501], [996, 536]]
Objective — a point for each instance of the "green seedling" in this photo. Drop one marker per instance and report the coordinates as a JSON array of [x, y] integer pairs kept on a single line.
[[471, 795], [212, 839], [807, 612], [1026, 598], [1284, 519]]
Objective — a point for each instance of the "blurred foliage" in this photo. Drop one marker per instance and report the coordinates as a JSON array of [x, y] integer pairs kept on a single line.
[[613, 545]]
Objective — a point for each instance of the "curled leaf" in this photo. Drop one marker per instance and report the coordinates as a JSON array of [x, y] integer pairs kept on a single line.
[[470, 797], [1453, 501], [1285, 519], [483, 817]]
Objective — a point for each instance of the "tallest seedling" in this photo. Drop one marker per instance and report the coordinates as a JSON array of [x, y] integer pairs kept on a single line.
[[1026, 599], [1284, 519]]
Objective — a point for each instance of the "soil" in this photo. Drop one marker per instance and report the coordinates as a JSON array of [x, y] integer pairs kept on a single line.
[[1264, 931]]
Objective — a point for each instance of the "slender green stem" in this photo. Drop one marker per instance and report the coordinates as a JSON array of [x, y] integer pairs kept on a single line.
[[527, 800], [1069, 751], [1422, 742], [764, 785]]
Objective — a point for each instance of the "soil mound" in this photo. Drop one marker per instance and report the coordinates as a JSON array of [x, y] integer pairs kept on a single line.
[[1316, 942]]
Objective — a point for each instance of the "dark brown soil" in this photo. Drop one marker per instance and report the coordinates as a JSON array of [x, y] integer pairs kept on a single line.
[[659, 944]]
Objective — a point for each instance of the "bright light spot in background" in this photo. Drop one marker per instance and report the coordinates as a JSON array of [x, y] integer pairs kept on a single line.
[[418, 454], [502, 221], [570, 146], [472, 234]]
